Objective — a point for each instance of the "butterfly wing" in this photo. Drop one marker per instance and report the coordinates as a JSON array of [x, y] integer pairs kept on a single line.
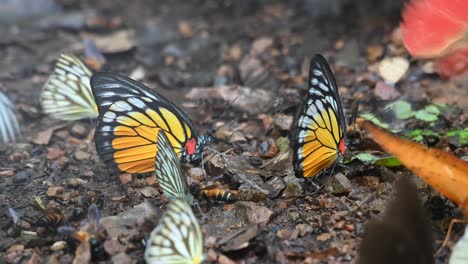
[[9, 127], [130, 116], [67, 94], [169, 172], [320, 126], [177, 238]]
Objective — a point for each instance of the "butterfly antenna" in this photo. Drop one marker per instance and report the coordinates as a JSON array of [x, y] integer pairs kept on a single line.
[[388, 108], [354, 112], [203, 165], [229, 106]]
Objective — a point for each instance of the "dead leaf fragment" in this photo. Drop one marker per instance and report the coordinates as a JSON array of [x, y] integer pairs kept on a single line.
[[43, 137], [442, 170]]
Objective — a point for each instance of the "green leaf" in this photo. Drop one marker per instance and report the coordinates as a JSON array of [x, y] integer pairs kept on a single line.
[[418, 134], [374, 120], [433, 109], [402, 109], [461, 134], [365, 157], [388, 162], [426, 116], [368, 158]]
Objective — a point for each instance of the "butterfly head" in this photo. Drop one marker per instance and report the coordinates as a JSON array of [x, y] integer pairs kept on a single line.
[[194, 148]]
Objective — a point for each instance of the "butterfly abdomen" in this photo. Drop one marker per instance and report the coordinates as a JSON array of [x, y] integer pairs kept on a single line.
[[219, 195]]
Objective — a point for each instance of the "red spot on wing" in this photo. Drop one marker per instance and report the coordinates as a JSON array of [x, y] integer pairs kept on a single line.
[[342, 146], [190, 146]]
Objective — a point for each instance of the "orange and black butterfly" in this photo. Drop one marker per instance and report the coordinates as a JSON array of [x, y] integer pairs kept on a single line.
[[130, 116], [320, 129]]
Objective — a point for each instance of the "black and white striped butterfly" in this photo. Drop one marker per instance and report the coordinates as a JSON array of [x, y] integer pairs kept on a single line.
[[460, 250], [67, 93], [9, 127], [169, 171], [177, 238], [320, 128]]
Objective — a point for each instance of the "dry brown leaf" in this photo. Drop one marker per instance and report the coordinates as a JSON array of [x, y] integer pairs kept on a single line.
[[442, 170], [43, 137]]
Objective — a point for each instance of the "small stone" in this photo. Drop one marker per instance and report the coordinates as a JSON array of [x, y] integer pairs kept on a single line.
[[123, 258], [197, 174], [304, 229], [15, 248], [114, 247], [323, 237], [385, 91], [117, 226], [87, 173], [54, 153], [125, 178], [79, 130], [55, 191], [339, 224], [59, 245], [211, 255], [349, 227], [7, 173], [149, 192], [82, 155], [339, 184], [283, 122], [370, 181], [75, 182], [62, 162], [151, 181], [268, 148], [287, 234], [234, 53], [210, 241], [359, 229], [260, 45], [393, 69], [21, 176], [274, 186], [237, 136], [254, 213], [375, 52], [293, 187], [225, 260]]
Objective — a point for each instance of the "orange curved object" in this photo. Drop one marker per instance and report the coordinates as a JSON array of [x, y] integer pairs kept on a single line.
[[442, 170]]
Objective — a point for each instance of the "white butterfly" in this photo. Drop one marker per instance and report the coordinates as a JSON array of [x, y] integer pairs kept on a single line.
[[169, 172], [177, 238], [9, 127], [67, 94], [460, 250]]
